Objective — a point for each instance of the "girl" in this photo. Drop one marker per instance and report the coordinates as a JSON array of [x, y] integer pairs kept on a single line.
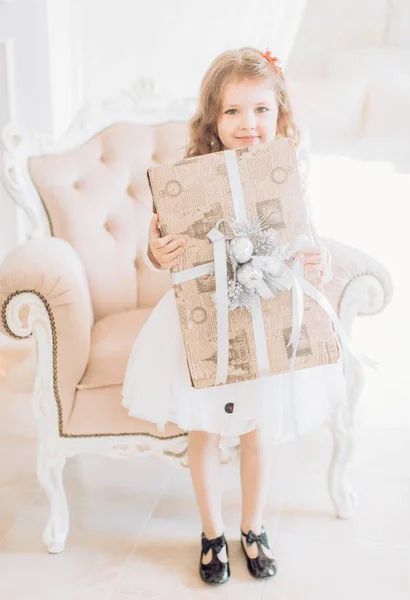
[[243, 102]]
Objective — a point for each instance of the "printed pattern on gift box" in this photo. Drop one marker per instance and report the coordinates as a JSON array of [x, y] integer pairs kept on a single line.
[[191, 197]]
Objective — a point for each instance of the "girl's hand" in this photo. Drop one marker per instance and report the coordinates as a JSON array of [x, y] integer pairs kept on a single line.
[[163, 251], [314, 261]]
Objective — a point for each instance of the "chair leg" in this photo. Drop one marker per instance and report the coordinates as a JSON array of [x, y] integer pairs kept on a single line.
[[344, 498], [50, 475]]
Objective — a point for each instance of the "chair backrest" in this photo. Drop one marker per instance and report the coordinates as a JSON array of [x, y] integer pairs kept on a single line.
[[97, 198]]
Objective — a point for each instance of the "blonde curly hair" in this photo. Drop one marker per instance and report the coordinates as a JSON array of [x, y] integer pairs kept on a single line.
[[235, 65]]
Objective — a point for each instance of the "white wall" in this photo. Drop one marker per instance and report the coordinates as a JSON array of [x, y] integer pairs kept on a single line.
[[330, 27], [340, 48], [65, 75], [172, 41], [24, 88], [115, 41], [350, 69]]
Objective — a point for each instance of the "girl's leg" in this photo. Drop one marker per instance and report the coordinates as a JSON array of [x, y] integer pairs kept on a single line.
[[205, 467], [256, 460], [204, 463]]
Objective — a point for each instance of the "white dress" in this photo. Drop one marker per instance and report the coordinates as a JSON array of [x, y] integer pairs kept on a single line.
[[157, 388]]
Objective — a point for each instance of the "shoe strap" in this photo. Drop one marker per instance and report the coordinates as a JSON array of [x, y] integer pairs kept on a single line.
[[251, 538]]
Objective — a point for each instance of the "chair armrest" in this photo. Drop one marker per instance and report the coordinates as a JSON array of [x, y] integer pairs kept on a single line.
[[359, 274], [44, 293]]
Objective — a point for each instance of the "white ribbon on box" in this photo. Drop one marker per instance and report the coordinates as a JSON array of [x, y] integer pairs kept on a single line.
[[284, 278]]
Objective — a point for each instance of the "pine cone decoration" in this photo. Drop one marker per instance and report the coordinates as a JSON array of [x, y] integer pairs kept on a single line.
[[266, 242]]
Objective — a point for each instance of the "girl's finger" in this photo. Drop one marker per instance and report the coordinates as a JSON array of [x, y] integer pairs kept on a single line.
[[315, 250], [171, 246], [154, 231], [312, 260], [163, 241], [166, 258], [169, 265]]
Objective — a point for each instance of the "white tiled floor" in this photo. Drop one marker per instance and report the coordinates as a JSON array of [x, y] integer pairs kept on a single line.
[[135, 531], [134, 524]]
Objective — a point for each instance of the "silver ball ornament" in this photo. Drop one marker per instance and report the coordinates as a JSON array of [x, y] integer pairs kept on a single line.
[[249, 276], [242, 249]]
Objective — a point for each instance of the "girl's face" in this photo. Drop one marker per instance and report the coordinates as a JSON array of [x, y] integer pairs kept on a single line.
[[249, 114]]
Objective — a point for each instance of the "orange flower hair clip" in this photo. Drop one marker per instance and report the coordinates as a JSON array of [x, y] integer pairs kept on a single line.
[[276, 61]]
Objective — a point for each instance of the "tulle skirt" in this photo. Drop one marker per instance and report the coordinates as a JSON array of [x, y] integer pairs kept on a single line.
[[157, 388]]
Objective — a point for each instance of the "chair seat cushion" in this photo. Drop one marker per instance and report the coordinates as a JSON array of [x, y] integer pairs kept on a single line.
[[112, 339], [99, 412], [98, 409]]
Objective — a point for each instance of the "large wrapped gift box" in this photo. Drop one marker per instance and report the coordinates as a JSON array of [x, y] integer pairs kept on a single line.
[[260, 184]]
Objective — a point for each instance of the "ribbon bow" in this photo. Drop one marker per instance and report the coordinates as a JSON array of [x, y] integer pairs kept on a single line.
[[276, 274], [217, 544], [276, 61], [251, 537], [261, 271]]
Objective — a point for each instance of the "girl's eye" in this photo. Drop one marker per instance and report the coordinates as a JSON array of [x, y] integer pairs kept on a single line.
[[231, 111]]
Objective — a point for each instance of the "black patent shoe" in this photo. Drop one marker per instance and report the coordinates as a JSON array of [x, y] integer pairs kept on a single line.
[[215, 571], [262, 566]]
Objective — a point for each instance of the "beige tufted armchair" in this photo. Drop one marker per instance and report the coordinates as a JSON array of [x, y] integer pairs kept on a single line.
[[81, 288]]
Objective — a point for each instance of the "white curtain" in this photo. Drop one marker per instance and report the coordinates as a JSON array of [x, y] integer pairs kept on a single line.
[[171, 41]]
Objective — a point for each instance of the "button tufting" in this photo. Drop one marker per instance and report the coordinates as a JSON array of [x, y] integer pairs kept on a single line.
[[229, 408], [132, 193]]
